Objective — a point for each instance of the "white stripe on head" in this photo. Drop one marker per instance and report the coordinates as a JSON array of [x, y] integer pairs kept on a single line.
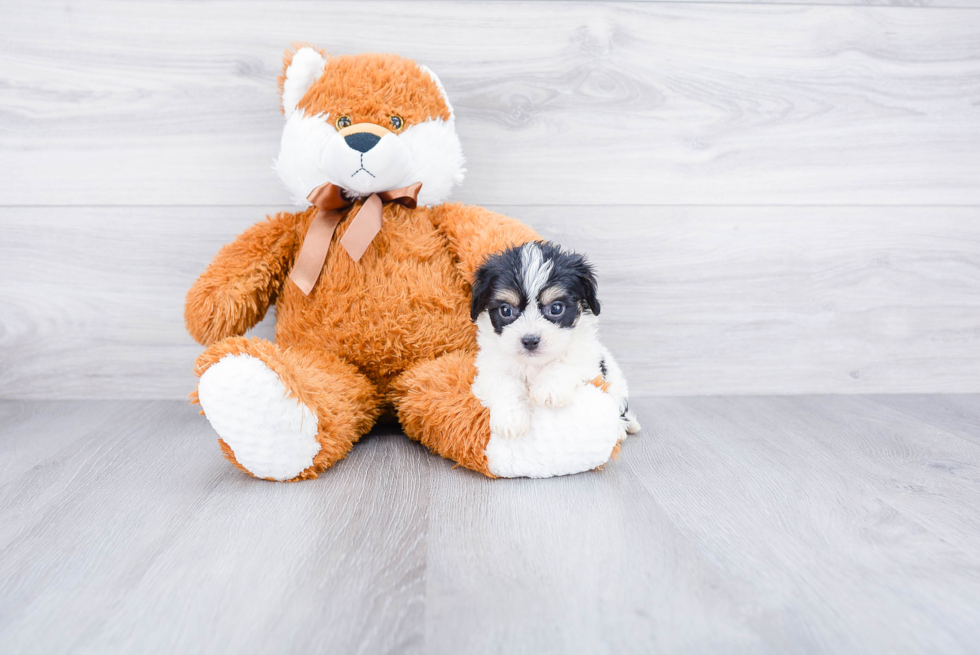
[[535, 271]]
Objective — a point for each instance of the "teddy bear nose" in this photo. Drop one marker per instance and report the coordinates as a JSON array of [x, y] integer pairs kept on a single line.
[[362, 141]]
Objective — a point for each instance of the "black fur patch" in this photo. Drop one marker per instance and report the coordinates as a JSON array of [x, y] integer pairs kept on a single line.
[[570, 272], [499, 271]]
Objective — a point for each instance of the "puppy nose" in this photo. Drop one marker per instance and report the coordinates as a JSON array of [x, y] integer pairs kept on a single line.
[[530, 341], [362, 141]]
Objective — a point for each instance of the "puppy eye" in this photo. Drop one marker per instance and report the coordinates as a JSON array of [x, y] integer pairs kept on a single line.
[[396, 122], [344, 121], [506, 311], [556, 309]]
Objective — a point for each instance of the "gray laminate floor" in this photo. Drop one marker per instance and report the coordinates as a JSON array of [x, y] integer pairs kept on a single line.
[[832, 524]]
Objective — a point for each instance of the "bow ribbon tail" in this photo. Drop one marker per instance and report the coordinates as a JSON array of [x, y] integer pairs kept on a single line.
[[363, 228], [309, 262]]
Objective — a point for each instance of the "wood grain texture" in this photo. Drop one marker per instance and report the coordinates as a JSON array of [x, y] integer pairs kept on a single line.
[[749, 524], [695, 300], [135, 140], [954, 414], [174, 103], [152, 544]]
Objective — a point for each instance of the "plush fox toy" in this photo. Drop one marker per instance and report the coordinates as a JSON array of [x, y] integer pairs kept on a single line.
[[371, 282]]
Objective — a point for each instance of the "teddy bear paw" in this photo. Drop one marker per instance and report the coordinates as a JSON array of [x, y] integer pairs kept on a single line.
[[271, 434], [560, 441], [509, 423]]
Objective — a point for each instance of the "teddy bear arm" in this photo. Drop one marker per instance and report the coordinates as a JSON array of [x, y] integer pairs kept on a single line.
[[242, 280], [475, 232]]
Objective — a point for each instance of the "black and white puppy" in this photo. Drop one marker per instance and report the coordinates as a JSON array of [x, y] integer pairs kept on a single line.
[[536, 311]]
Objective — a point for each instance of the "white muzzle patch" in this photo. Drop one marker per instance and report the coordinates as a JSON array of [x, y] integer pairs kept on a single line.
[[386, 165], [312, 152]]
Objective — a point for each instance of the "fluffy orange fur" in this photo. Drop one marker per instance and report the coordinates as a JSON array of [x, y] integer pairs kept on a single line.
[[370, 88], [600, 383], [388, 333], [437, 409]]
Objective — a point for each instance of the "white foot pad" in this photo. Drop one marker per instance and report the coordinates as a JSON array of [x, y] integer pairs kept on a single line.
[[561, 441], [271, 434]]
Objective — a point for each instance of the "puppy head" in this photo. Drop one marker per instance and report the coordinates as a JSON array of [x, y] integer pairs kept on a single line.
[[533, 297], [366, 123]]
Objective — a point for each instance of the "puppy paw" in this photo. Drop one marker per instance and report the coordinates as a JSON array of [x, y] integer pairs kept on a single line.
[[553, 393], [510, 423]]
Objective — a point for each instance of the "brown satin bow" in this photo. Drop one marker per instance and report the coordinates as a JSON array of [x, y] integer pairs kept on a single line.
[[365, 224]]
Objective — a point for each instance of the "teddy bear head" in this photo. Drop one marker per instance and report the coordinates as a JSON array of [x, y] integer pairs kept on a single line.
[[366, 123]]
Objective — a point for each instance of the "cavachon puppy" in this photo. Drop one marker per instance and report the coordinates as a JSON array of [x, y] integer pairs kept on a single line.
[[558, 400]]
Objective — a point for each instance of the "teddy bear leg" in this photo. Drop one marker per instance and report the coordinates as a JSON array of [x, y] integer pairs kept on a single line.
[[283, 414], [436, 407]]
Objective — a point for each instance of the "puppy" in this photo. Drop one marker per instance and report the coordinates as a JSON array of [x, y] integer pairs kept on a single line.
[[536, 312]]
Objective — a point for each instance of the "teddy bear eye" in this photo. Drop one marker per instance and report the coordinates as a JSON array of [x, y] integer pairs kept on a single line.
[[344, 121], [396, 122]]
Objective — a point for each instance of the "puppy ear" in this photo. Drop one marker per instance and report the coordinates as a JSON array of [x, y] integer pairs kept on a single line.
[[300, 70], [483, 283], [587, 283]]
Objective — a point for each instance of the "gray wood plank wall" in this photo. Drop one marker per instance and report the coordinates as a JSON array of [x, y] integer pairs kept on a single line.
[[780, 198]]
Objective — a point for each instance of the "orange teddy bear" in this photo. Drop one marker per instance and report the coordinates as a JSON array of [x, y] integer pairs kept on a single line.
[[371, 283]]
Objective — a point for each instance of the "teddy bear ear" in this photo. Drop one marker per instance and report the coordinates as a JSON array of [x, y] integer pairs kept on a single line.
[[435, 78], [300, 70]]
